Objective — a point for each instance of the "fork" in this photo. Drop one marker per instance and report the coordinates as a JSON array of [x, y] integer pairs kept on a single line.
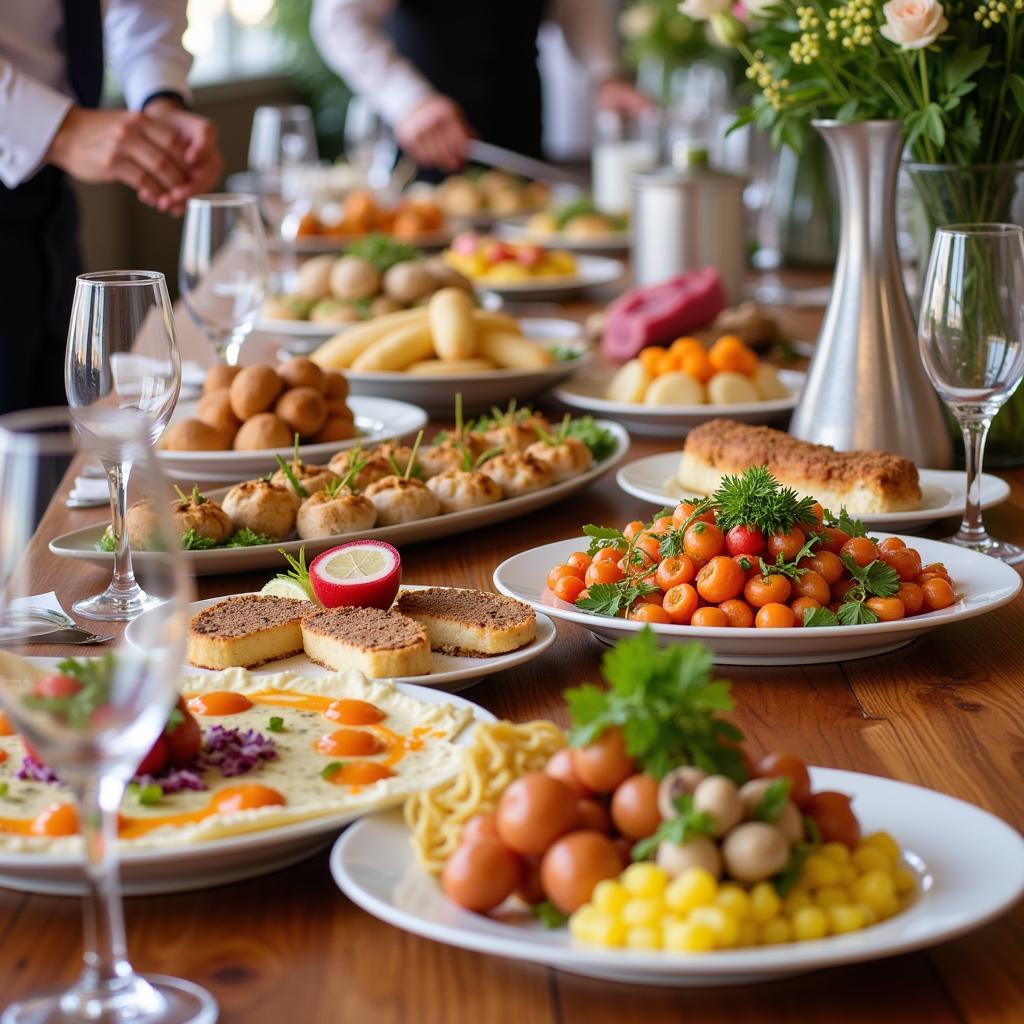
[[71, 635], [51, 616]]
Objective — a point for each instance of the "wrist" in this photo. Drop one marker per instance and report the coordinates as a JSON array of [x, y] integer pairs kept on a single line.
[[57, 152], [165, 100]]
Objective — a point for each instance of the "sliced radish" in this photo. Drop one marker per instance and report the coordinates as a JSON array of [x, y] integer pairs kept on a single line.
[[365, 573]]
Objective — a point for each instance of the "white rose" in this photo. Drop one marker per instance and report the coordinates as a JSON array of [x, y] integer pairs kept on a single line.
[[913, 24], [636, 21], [701, 10]]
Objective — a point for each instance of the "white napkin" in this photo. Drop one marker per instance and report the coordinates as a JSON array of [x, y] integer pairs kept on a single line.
[[48, 601], [192, 374], [90, 488]]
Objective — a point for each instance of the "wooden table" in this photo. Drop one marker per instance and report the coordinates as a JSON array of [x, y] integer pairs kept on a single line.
[[946, 712]]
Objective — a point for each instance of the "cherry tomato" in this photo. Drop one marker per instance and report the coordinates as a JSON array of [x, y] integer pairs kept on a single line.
[[185, 739], [861, 550], [937, 593], [603, 572], [580, 559], [610, 555], [911, 597], [635, 806], [813, 585], [633, 529], [560, 766], [774, 616], [480, 826], [593, 817], [702, 541], [744, 540], [680, 603], [839, 590], [832, 539], [739, 613], [156, 760], [568, 588], [720, 580], [56, 686], [709, 616], [561, 572], [801, 606], [936, 569], [685, 509], [650, 546], [835, 820], [647, 612], [603, 764], [533, 812], [818, 512], [826, 564], [750, 565], [888, 609], [906, 561], [529, 889], [574, 865], [762, 590], [778, 765], [675, 570], [892, 544], [480, 876], [786, 544], [661, 526]]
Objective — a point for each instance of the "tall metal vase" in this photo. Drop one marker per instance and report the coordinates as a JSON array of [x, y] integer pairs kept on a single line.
[[866, 386]]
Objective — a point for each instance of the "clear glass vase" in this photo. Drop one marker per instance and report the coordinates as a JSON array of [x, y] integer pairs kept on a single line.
[[982, 194]]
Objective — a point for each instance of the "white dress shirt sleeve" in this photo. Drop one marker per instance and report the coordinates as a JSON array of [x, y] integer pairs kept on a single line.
[[30, 114], [589, 30], [350, 38], [142, 41]]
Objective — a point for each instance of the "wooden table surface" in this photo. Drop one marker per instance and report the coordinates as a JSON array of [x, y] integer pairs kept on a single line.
[[946, 712]]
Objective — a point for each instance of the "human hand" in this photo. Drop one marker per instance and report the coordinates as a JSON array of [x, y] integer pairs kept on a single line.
[[618, 94], [435, 134], [203, 161]]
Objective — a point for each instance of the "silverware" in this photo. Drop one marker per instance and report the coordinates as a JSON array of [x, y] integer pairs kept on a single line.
[[76, 503], [508, 160], [70, 635], [53, 616]]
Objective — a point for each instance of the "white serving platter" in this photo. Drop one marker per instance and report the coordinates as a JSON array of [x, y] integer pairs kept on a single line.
[[591, 272]]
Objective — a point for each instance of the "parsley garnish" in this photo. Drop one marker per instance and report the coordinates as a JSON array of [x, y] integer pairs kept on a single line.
[[549, 915], [613, 598], [564, 354], [331, 770], [246, 538], [791, 569], [382, 251], [601, 442], [276, 724], [688, 823], [756, 498], [604, 537], [845, 522], [820, 617], [772, 801], [108, 542], [298, 573], [95, 675], [193, 541], [148, 795]]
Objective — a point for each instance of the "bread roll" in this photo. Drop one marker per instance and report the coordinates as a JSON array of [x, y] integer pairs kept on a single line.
[[264, 430], [300, 372], [194, 436], [215, 410], [220, 375], [303, 409], [254, 390]]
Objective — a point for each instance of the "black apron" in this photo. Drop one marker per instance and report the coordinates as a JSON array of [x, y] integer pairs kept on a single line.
[[482, 54]]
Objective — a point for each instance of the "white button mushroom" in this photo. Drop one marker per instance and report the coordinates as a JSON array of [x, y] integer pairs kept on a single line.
[[755, 851], [697, 852], [789, 819], [674, 785], [718, 796]]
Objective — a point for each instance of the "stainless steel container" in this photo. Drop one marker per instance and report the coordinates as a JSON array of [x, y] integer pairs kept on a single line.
[[689, 217]]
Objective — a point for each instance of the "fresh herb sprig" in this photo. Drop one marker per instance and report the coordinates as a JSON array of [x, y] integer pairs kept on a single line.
[[246, 538], [383, 251], [95, 675], [790, 568], [604, 537], [298, 573], [614, 598], [108, 541], [876, 579], [601, 441], [756, 498], [687, 823], [195, 498], [845, 522], [289, 473], [191, 540], [773, 800]]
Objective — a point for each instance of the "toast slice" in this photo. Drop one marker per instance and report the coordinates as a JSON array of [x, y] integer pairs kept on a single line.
[[470, 623], [380, 644], [246, 631]]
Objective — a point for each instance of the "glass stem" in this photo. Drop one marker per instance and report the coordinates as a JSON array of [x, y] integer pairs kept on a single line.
[[123, 583], [972, 529]]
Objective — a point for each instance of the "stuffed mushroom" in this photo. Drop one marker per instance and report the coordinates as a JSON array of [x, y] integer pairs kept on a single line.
[[335, 510], [262, 507], [400, 499], [517, 473], [458, 490], [567, 456]]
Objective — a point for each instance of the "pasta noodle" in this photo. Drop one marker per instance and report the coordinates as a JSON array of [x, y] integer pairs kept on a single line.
[[499, 753]]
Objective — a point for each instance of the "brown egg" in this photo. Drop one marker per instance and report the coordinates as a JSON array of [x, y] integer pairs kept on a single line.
[[215, 410], [220, 375], [335, 429], [303, 409], [299, 372], [194, 436], [254, 390], [264, 430], [335, 384], [338, 408]]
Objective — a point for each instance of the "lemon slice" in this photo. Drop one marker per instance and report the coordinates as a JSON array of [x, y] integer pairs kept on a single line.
[[282, 587], [359, 562]]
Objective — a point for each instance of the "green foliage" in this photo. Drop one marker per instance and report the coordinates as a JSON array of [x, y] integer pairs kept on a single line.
[[687, 823]]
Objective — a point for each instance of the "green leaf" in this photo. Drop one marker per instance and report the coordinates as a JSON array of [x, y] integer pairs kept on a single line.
[[602, 599], [688, 823], [383, 251], [848, 111], [855, 613], [246, 538], [192, 541], [756, 498], [331, 770], [877, 578], [108, 542], [289, 473], [604, 537], [845, 522], [601, 441], [276, 724], [773, 801], [549, 915], [1016, 84], [820, 617], [963, 63], [934, 125]]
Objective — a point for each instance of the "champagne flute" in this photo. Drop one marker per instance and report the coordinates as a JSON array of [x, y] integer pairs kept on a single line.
[[122, 357], [89, 720], [222, 272], [971, 334]]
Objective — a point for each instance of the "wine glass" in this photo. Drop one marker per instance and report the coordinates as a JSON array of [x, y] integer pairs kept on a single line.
[[122, 357], [86, 722], [369, 145], [222, 270], [971, 333]]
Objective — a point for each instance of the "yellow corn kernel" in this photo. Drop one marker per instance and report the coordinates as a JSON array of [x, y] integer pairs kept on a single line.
[[581, 920], [904, 880], [809, 923], [601, 929], [847, 917], [870, 858], [684, 937], [642, 913], [877, 889], [884, 842], [644, 880], [889, 907], [695, 887], [795, 899], [643, 938], [734, 899], [775, 932], [748, 933], [725, 925], [839, 852], [848, 874], [831, 896], [609, 895], [764, 902], [870, 914], [819, 871]]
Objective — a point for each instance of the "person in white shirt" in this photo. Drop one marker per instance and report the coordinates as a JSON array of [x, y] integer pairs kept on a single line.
[[440, 71], [52, 59]]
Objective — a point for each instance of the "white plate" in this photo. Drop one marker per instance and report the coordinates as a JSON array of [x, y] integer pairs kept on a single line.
[[309, 245], [515, 230], [591, 272], [81, 544], [969, 863], [942, 491], [586, 391], [448, 673], [377, 419], [983, 584], [201, 865], [483, 390]]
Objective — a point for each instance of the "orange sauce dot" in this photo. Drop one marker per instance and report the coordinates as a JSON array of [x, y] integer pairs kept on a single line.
[[360, 773], [220, 702], [349, 743], [3, 756], [5, 725], [55, 820], [354, 712], [246, 797]]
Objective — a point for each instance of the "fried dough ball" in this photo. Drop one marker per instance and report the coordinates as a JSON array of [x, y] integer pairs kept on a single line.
[[303, 409], [399, 500], [566, 459], [336, 428], [300, 372], [457, 490], [313, 478], [254, 390], [517, 473], [219, 376], [335, 384], [326, 515], [194, 436], [339, 408], [263, 431], [214, 409], [376, 468], [263, 507]]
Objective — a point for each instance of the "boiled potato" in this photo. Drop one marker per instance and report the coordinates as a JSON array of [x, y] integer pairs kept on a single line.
[[450, 312], [630, 383], [768, 385], [353, 278], [314, 278], [729, 388], [676, 388], [442, 367], [513, 351], [397, 350], [339, 352]]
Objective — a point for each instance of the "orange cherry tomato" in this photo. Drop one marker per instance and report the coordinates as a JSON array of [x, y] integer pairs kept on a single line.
[[892, 544], [602, 765], [834, 818], [826, 564], [839, 590], [568, 588], [560, 572], [861, 550], [786, 544], [751, 566], [633, 529], [697, 364], [686, 344], [729, 353], [709, 616], [720, 580], [480, 875], [609, 555], [906, 561], [888, 609], [936, 569], [702, 541], [680, 603], [685, 509], [818, 512], [832, 539], [762, 590], [774, 616], [603, 572], [657, 597], [650, 546], [645, 612], [812, 585], [739, 613], [911, 597], [938, 593], [675, 570], [661, 526], [650, 358], [801, 606], [580, 559], [777, 765]]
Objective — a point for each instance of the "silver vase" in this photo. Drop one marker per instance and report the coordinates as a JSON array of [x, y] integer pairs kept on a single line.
[[866, 387]]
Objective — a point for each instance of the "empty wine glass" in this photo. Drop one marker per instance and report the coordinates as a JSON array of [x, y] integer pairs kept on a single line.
[[370, 146], [222, 271], [122, 358], [81, 726], [971, 333]]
